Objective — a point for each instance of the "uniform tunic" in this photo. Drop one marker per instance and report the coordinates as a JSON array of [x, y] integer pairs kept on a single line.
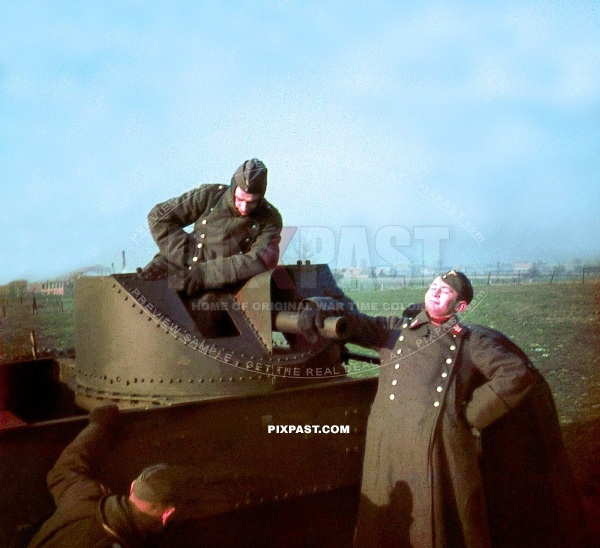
[[225, 246], [421, 483], [86, 515]]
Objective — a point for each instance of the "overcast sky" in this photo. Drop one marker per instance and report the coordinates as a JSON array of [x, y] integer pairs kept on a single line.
[[432, 132]]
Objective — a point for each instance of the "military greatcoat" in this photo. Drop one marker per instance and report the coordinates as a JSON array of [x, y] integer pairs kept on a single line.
[[422, 486], [86, 514], [227, 247]]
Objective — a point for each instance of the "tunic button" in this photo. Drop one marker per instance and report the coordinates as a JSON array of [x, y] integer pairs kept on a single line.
[[189, 268], [449, 361], [401, 338], [220, 187], [394, 382], [439, 388], [199, 246], [399, 351], [453, 347], [397, 366], [195, 259], [253, 226], [241, 253], [444, 375], [202, 235], [203, 221], [392, 396], [404, 325], [436, 404]]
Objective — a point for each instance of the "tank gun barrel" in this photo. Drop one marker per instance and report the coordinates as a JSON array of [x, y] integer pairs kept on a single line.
[[335, 327]]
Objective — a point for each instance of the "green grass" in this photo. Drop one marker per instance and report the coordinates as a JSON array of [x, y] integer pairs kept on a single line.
[[53, 327]]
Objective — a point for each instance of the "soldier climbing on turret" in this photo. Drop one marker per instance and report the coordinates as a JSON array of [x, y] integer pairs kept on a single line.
[[236, 233]]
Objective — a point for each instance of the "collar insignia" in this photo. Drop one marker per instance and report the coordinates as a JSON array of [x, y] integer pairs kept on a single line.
[[457, 328]]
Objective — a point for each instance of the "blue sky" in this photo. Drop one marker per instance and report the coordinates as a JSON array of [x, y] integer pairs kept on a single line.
[[425, 133]]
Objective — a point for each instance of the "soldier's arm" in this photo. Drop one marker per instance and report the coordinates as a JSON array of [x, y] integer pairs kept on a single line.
[[168, 219], [371, 331], [508, 380], [79, 460], [262, 256]]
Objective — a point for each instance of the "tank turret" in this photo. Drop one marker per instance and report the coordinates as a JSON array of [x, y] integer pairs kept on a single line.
[[141, 343]]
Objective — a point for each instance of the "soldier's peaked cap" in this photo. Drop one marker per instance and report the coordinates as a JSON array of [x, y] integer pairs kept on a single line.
[[460, 283], [251, 177]]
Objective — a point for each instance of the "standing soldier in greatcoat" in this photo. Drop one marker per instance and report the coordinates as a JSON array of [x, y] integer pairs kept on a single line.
[[463, 445]]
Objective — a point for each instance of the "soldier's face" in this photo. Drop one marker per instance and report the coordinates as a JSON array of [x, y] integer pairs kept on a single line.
[[441, 300], [245, 202]]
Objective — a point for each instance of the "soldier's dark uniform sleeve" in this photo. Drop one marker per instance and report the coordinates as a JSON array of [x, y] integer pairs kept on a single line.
[[263, 255], [369, 331], [507, 379], [76, 464], [168, 219]]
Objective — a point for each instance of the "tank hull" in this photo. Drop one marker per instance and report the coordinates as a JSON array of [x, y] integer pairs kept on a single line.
[[141, 343], [229, 385], [272, 487]]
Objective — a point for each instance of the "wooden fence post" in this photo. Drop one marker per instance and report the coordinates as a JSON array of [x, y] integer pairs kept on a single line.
[[33, 344]]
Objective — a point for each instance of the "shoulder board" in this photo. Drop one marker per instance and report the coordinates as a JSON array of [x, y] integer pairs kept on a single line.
[[212, 187]]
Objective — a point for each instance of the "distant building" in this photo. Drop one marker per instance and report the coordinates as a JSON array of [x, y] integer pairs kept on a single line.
[[522, 267], [353, 273], [426, 271], [47, 288], [572, 266], [56, 287]]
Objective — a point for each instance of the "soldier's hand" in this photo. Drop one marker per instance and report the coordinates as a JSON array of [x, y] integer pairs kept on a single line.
[[106, 415], [315, 311], [326, 308], [194, 282], [412, 310], [306, 323]]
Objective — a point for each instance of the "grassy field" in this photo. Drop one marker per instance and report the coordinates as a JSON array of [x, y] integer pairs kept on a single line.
[[53, 326]]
